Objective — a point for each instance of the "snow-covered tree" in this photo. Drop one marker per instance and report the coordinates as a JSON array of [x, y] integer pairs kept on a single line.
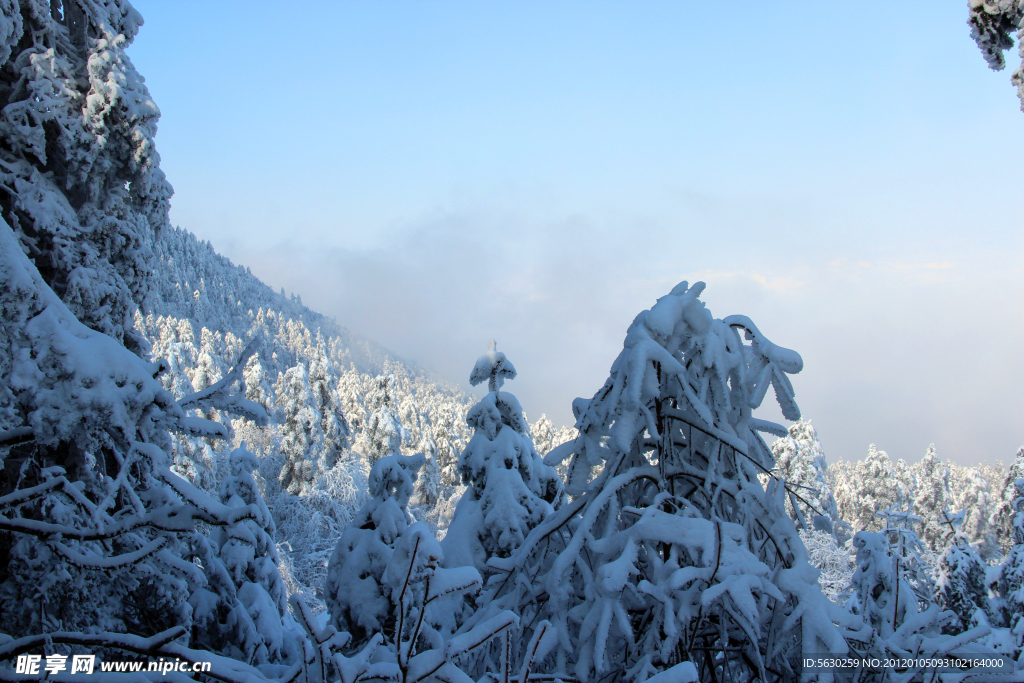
[[386, 587], [510, 488], [961, 582], [932, 499], [240, 610], [906, 481], [800, 461], [257, 385], [888, 602], [208, 369], [96, 527], [880, 592], [384, 432], [302, 439], [873, 487], [546, 437], [972, 495], [355, 592], [1004, 517], [80, 182], [993, 26], [449, 445], [674, 557], [333, 426], [1008, 579], [910, 555], [834, 561]]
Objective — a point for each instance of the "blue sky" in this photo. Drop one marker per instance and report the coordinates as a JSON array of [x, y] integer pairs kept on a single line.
[[436, 174]]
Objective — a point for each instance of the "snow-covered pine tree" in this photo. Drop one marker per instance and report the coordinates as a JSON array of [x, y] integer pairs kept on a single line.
[[1007, 580], [906, 481], [876, 488], [351, 397], [974, 498], [449, 445], [542, 432], [356, 595], [302, 440], [674, 557], [1005, 515], [932, 500], [384, 433], [333, 425], [960, 584], [546, 437], [314, 431], [842, 483], [993, 25], [800, 461], [80, 182], [208, 368], [257, 385], [240, 611], [510, 488]]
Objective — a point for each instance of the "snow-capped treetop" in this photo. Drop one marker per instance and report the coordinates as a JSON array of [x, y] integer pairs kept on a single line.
[[715, 378], [492, 367], [993, 24]]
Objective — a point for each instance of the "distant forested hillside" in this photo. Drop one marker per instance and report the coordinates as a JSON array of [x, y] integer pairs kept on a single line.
[[335, 401]]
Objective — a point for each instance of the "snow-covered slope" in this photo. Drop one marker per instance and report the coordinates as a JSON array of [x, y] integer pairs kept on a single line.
[[337, 402]]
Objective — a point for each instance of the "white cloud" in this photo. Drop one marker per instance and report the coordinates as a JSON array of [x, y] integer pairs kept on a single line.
[[901, 353]]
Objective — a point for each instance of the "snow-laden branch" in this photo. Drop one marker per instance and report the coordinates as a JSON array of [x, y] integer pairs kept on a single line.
[[109, 562], [220, 397], [15, 435]]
